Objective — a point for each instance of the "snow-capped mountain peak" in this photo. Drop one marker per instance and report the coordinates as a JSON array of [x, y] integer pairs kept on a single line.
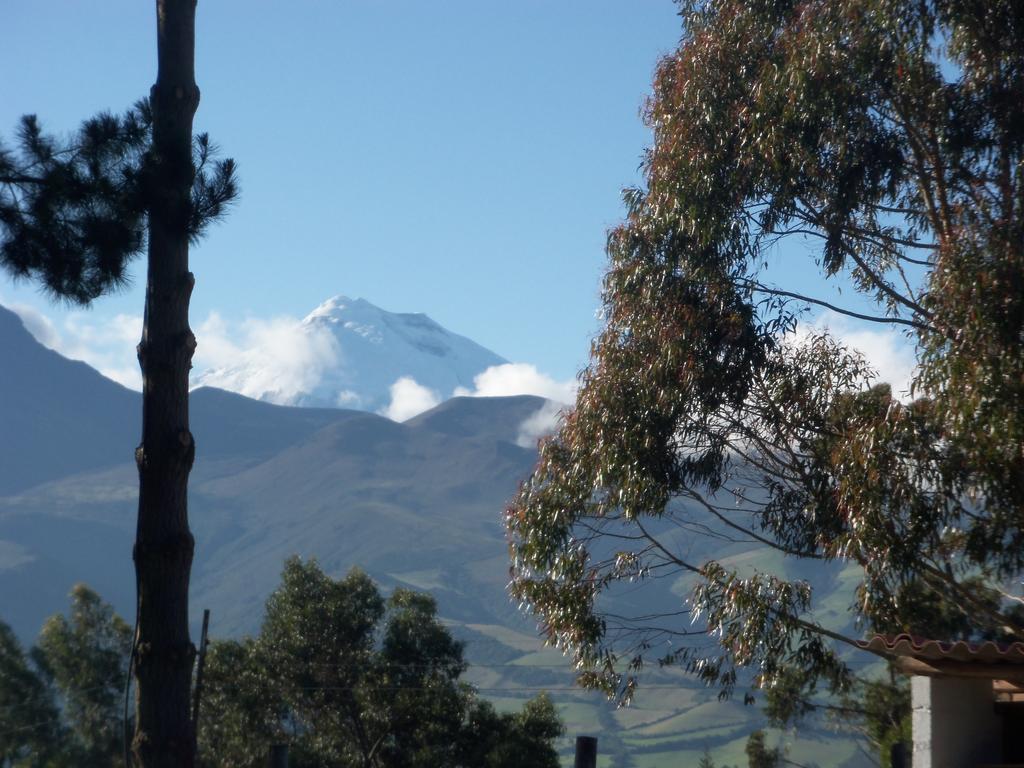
[[348, 353]]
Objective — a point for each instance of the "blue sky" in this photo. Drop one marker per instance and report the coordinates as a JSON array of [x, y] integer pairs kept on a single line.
[[461, 158]]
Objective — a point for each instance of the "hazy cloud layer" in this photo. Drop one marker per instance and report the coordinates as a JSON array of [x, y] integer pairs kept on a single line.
[[518, 379], [281, 358], [290, 359], [544, 422], [524, 379], [287, 358], [107, 344]]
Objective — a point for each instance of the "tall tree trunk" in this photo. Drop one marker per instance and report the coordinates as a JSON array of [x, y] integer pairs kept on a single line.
[[164, 545]]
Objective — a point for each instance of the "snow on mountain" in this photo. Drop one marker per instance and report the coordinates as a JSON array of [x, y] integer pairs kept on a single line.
[[349, 353]]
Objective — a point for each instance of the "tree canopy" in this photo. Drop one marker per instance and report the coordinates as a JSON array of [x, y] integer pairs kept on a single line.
[[349, 678], [343, 675], [73, 211], [28, 718], [60, 703], [84, 656], [880, 143]]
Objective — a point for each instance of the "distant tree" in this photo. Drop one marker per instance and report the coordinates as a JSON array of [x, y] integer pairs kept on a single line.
[[705, 760], [242, 709], [521, 739], [886, 141], [60, 704], [759, 755], [30, 728], [85, 658], [417, 696], [351, 679], [873, 709], [73, 214]]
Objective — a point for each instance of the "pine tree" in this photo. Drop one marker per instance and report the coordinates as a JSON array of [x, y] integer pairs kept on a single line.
[[73, 215]]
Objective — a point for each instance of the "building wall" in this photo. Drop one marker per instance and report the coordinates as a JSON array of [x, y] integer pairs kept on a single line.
[[955, 723]]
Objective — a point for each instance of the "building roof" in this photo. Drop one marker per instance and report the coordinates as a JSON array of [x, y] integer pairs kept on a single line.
[[922, 656]]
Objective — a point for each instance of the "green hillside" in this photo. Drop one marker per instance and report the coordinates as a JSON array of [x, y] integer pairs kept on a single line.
[[416, 504]]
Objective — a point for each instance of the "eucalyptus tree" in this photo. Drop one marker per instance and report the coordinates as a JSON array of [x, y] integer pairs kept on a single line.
[[73, 214], [879, 142], [84, 657], [350, 678], [30, 725], [60, 702]]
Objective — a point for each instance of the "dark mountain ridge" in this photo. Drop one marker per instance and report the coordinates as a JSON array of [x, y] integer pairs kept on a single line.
[[348, 487]]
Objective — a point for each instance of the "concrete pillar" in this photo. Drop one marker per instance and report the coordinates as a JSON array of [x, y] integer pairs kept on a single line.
[[955, 723]]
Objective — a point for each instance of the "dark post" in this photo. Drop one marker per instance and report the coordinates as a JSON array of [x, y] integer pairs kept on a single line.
[[198, 693], [586, 752], [278, 756], [898, 755]]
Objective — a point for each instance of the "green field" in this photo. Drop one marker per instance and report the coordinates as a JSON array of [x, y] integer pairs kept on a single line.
[[672, 720]]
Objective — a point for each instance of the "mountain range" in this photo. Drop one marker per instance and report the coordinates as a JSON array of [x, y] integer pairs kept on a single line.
[[415, 504]]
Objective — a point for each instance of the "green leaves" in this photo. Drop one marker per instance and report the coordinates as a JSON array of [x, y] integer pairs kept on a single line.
[[73, 211], [870, 133], [29, 721], [60, 704], [72, 214], [351, 679], [86, 658]]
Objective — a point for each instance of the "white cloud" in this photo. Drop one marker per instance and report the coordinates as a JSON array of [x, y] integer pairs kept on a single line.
[[524, 379], [889, 354], [408, 399], [541, 424], [347, 399], [214, 347], [518, 379], [287, 359], [281, 358], [38, 324]]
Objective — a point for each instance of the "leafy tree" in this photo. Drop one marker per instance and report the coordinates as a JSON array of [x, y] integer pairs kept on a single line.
[[242, 711], [60, 704], [334, 660], [510, 739], [85, 657], [29, 720], [419, 664], [887, 137], [759, 755], [351, 679], [73, 215]]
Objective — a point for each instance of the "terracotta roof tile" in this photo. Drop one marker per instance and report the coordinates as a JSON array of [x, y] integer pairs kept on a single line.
[[987, 652]]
